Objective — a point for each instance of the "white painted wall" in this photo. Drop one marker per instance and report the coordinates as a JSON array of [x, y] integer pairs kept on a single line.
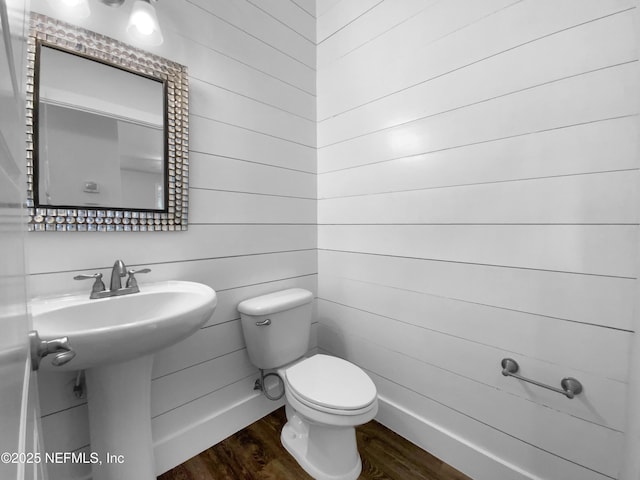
[[477, 184], [252, 218]]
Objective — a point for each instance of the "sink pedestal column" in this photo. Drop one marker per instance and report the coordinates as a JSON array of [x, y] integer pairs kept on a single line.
[[119, 398]]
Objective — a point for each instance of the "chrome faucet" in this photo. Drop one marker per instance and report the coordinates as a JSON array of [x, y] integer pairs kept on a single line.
[[118, 271]]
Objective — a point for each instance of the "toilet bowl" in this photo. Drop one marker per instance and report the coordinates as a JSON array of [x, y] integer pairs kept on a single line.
[[326, 396]]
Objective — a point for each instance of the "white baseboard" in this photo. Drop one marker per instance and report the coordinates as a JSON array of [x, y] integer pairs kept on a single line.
[[174, 449], [178, 445], [465, 456]]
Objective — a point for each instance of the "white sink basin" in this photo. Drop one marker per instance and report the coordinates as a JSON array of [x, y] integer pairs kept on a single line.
[[116, 329], [115, 340]]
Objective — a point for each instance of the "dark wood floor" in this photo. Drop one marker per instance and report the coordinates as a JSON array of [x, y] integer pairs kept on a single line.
[[255, 453]]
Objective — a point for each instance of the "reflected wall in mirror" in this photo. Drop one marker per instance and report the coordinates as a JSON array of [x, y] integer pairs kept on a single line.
[[107, 128], [100, 134]]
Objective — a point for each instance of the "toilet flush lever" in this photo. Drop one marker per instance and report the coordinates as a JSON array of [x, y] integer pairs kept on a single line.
[[264, 323]]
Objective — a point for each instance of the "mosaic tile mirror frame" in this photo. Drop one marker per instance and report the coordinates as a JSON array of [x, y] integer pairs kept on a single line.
[[171, 207]]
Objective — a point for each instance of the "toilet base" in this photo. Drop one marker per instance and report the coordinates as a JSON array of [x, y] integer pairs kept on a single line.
[[324, 452]]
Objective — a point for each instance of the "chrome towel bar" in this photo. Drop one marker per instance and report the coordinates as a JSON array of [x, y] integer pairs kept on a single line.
[[570, 386]]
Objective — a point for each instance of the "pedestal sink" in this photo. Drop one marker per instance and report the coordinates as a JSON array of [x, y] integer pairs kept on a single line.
[[114, 340]]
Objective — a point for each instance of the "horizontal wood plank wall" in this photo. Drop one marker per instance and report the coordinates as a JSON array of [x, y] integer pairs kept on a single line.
[[252, 220], [477, 185]]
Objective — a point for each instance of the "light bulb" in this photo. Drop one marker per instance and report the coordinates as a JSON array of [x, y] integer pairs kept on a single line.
[[143, 23]]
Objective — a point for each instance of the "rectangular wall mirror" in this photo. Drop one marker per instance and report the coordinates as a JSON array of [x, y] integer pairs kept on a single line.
[[86, 106], [108, 136]]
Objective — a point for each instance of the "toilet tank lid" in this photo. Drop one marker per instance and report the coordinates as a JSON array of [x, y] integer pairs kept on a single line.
[[275, 302]]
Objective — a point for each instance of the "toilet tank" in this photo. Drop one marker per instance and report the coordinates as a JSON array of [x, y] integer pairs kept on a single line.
[[276, 326]]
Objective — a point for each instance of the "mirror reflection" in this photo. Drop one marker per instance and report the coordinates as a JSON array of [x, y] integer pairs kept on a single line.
[[100, 135]]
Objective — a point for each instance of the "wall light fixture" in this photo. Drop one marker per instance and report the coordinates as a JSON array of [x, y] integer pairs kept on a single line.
[[143, 23]]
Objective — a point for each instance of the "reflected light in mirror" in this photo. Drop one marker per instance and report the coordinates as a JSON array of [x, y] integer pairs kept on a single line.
[[143, 23]]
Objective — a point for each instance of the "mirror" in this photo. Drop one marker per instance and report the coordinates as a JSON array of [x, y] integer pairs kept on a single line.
[[108, 135], [100, 134]]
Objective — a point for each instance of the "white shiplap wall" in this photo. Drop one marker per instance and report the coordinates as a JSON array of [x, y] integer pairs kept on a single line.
[[252, 218], [477, 184]]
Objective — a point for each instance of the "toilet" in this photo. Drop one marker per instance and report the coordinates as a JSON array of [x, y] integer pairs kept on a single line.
[[326, 396]]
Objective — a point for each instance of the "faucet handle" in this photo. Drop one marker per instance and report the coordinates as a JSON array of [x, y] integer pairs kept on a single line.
[[131, 281], [98, 285]]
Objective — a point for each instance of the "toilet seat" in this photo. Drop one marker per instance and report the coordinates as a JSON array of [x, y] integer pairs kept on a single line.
[[332, 385]]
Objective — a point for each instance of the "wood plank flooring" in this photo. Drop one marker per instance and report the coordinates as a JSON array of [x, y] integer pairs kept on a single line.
[[255, 453]]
